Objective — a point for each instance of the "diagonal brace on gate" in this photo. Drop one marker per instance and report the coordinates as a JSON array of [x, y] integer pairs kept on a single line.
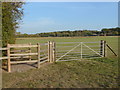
[[68, 52], [92, 49]]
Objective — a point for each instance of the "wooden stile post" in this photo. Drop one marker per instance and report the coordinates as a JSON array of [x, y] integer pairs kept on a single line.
[[48, 51], [54, 53], [8, 54], [38, 49], [51, 52], [30, 52]]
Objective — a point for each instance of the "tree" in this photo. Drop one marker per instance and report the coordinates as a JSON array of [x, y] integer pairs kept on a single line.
[[18, 33], [12, 13]]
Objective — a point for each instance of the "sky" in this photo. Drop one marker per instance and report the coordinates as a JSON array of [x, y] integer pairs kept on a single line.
[[42, 17]]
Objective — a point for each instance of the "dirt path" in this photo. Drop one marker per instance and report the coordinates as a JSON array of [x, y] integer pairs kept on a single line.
[[24, 67]]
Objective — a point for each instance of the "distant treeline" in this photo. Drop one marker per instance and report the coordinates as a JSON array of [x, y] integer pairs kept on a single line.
[[103, 32]]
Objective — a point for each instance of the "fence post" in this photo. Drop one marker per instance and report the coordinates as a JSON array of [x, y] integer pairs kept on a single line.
[[54, 53], [38, 49], [104, 48], [48, 51], [51, 52], [30, 52], [101, 48], [81, 50], [8, 54]]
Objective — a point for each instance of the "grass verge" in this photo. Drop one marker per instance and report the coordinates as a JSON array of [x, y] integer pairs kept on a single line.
[[95, 73]]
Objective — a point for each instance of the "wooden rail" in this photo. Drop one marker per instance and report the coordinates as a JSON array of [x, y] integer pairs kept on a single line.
[[3, 58], [19, 57], [20, 51], [15, 62], [18, 54], [32, 61], [21, 46], [26, 54], [3, 48]]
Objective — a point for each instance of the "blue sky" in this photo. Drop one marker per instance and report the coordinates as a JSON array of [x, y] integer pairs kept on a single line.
[[59, 16]]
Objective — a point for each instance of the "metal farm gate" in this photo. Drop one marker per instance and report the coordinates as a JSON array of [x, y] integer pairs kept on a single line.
[[67, 51]]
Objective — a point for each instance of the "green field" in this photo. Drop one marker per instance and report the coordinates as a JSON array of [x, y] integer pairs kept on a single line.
[[111, 40], [95, 73]]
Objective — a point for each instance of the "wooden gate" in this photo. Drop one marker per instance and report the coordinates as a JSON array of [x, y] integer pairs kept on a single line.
[[28, 53]]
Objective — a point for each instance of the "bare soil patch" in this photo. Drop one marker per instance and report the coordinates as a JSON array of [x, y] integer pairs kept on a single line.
[[23, 67]]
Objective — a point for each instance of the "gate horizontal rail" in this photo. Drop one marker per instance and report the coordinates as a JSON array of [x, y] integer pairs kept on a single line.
[[63, 51], [21, 46], [74, 42], [15, 51]]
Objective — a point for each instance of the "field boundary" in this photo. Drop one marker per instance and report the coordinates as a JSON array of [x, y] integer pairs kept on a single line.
[[17, 54], [52, 52]]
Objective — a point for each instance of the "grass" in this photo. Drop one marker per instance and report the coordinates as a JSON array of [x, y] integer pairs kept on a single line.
[[67, 39], [87, 73], [98, 73], [111, 40]]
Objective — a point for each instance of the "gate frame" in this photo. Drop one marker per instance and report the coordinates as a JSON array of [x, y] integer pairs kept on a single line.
[[28, 54], [102, 49], [51, 51], [9, 46]]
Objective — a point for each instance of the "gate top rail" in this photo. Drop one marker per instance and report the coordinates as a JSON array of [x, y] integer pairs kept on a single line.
[[3, 48], [75, 42], [91, 42], [3, 58], [21, 45]]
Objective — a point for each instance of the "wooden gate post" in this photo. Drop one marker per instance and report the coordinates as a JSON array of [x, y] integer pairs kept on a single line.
[[38, 49], [30, 52], [103, 48], [8, 54], [51, 52], [54, 52], [48, 51]]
